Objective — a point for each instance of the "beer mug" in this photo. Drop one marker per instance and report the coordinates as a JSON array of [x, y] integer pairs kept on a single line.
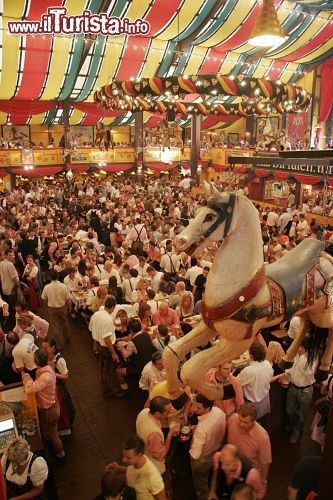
[[285, 380]]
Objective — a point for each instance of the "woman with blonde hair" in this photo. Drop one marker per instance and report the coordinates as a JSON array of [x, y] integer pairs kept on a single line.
[[140, 294], [121, 325], [274, 355], [25, 473], [185, 309]]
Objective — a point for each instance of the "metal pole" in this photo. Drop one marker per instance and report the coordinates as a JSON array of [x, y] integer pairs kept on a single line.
[[195, 144]]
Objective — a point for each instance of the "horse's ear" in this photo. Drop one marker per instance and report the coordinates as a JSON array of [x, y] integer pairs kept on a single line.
[[214, 192], [211, 190], [207, 188]]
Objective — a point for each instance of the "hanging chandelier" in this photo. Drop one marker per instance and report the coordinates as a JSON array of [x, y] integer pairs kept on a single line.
[[267, 31]]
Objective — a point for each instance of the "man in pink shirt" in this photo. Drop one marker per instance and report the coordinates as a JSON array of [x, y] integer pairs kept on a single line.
[[250, 439], [166, 316], [44, 387], [222, 374]]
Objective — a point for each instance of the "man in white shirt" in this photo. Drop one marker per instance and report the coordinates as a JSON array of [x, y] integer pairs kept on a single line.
[[300, 391], [272, 219], [142, 267], [82, 233], [8, 277], [72, 280], [185, 183], [284, 218], [153, 373], [23, 352], [207, 439], [193, 272], [137, 235], [129, 284], [155, 278], [294, 326], [108, 271], [256, 378], [302, 228], [103, 333], [169, 261]]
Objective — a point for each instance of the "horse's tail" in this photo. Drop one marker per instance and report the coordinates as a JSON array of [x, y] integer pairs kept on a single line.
[[316, 342]]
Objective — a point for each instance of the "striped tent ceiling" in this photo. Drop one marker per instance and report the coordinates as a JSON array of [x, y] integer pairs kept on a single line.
[[186, 37]]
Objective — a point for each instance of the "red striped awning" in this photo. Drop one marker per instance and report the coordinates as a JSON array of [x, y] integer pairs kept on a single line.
[[280, 176], [159, 166], [308, 179], [80, 169], [37, 171], [262, 172], [116, 167], [220, 168]]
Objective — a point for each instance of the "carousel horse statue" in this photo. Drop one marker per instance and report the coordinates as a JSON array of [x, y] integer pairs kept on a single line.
[[243, 295], [266, 143]]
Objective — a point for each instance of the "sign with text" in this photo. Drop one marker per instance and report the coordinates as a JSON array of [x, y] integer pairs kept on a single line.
[[304, 165]]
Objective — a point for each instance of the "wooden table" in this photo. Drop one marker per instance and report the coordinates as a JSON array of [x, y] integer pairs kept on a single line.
[[79, 299]]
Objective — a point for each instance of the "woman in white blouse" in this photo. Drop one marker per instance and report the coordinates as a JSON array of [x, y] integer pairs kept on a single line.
[[24, 472], [30, 278]]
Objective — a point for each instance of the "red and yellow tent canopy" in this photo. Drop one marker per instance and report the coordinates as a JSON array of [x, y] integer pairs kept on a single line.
[[186, 37]]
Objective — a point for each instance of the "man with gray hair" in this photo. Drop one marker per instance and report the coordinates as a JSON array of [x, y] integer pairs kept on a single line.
[[229, 471], [176, 298]]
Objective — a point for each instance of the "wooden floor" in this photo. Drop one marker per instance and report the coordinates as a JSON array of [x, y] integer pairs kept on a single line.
[[102, 425]]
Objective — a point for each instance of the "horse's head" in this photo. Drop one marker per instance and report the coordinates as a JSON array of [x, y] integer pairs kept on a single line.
[[211, 222]]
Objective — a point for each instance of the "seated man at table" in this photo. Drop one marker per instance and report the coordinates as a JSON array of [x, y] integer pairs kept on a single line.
[[137, 353], [166, 286], [153, 373], [176, 298], [109, 271], [72, 280], [166, 316], [152, 301]]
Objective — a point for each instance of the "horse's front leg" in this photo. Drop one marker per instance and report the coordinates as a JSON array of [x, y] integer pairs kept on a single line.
[[326, 360], [173, 354], [194, 370], [288, 359]]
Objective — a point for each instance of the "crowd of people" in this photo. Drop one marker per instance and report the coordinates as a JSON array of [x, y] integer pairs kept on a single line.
[[102, 252]]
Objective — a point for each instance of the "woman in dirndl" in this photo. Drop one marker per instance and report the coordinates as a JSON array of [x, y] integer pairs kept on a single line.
[[24, 472], [29, 277], [67, 410]]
